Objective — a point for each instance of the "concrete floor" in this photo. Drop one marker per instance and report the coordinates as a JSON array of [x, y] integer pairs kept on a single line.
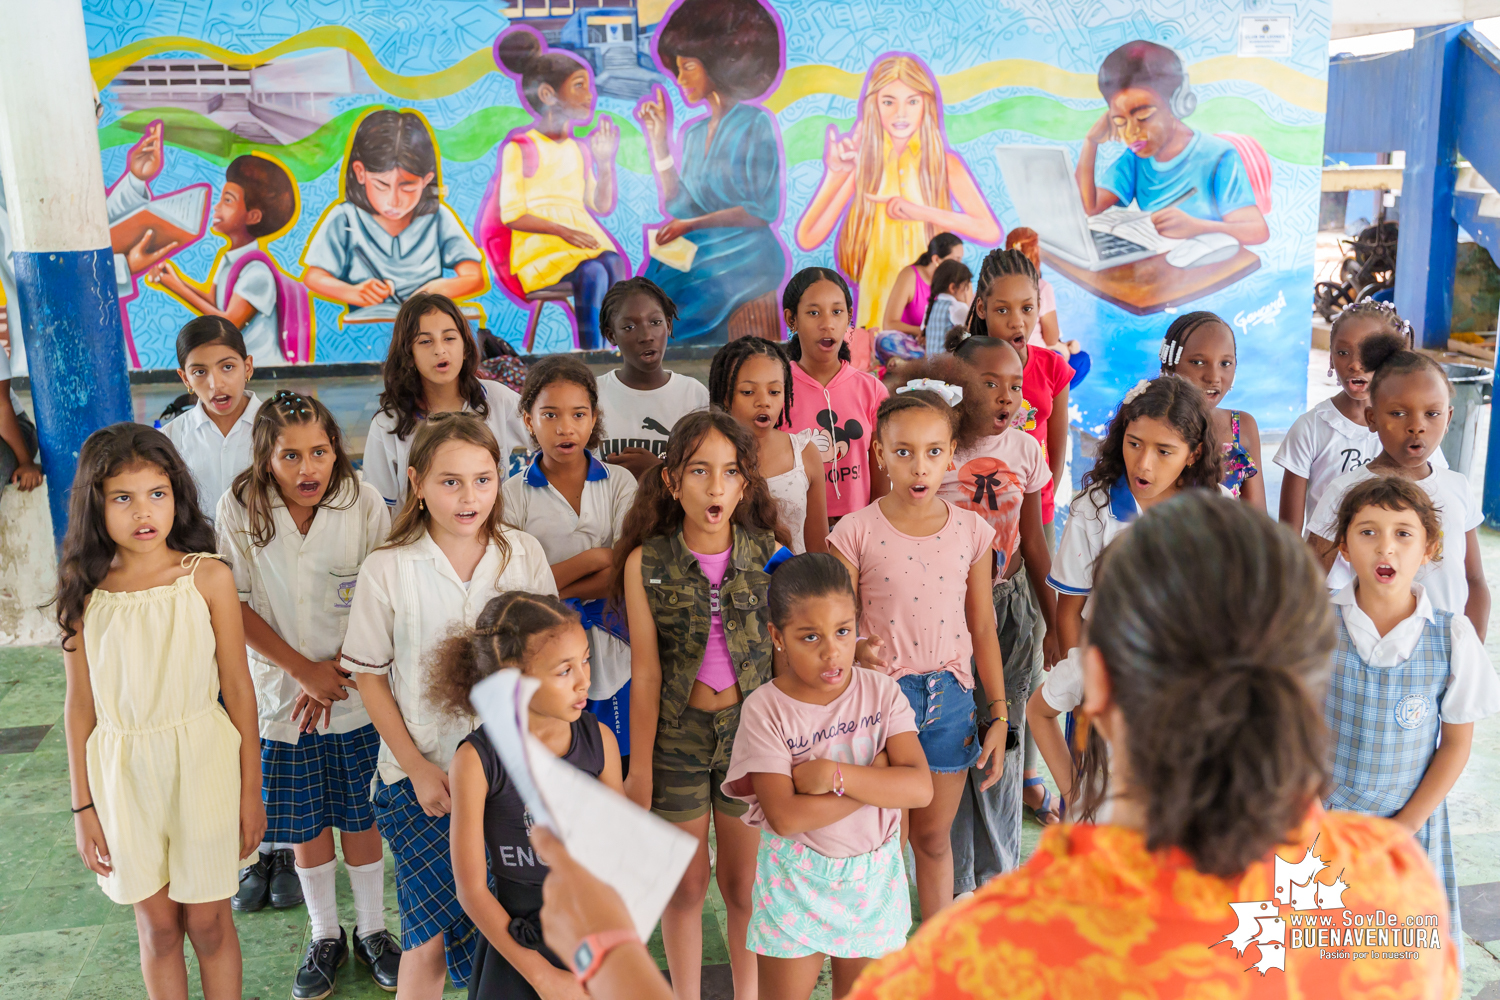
[[61, 938]]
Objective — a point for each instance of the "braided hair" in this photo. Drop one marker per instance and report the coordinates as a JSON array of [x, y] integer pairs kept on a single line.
[[1178, 333], [997, 263], [1371, 309], [500, 638], [791, 300], [724, 372], [622, 290]]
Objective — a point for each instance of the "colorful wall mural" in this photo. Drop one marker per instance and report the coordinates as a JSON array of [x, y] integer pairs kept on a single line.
[[302, 168]]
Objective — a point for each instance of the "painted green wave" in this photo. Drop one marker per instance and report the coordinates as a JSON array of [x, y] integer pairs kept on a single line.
[[474, 137], [478, 134]]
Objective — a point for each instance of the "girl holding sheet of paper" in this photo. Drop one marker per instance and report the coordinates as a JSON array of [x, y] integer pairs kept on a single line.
[[542, 637]]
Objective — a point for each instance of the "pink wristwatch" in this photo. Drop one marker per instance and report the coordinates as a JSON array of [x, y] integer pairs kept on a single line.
[[589, 955]]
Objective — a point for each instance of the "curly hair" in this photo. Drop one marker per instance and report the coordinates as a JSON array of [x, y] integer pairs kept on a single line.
[[505, 631], [724, 372], [791, 301], [254, 487], [622, 290], [656, 512], [1175, 401], [1216, 634], [87, 549], [563, 368], [1391, 493], [737, 41], [973, 417], [403, 393], [997, 263]]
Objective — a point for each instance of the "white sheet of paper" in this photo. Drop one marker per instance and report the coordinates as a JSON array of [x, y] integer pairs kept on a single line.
[[640, 855], [677, 254]]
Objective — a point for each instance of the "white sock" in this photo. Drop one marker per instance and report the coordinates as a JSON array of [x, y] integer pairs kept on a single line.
[[322, 900], [368, 883]]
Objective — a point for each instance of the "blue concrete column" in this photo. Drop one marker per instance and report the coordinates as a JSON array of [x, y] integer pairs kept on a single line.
[[49, 157], [1426, 255]]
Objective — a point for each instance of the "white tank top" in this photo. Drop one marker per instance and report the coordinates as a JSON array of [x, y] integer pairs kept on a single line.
[[790, 492]]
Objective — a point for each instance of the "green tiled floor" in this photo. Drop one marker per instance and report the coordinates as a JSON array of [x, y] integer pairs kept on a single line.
[[61, 938]]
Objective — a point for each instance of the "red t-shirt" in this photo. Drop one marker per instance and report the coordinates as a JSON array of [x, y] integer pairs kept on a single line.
[[1045, 375]]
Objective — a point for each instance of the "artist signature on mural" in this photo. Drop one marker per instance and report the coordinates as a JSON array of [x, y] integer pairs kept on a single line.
[[1265, 314]]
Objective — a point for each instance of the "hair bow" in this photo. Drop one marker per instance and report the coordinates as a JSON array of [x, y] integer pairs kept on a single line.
[[1130, 396], [952, 394]]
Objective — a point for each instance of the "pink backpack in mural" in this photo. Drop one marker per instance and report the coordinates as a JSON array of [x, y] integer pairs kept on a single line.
[[293, 308]]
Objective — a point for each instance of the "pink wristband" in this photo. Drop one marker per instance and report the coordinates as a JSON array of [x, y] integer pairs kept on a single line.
[[838, 776]]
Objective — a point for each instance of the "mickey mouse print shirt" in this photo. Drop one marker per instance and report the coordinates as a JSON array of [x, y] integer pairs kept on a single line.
[[841, 416]]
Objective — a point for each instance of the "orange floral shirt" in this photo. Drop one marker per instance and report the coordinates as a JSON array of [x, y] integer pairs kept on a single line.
[[1094, 915]]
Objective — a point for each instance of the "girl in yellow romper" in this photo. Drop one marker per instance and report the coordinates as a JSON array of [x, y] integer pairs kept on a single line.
[[165, 780]]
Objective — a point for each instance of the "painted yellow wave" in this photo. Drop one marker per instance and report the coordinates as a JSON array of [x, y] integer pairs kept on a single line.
[[331, 36], [1289, 84]]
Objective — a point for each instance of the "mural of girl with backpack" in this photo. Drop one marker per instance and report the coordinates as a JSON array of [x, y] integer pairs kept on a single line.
[[537, 222], [257, 203], [391, 234], [895, 183]]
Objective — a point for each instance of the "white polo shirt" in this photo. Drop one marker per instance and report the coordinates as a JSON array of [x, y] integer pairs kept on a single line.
[[213, 458], [1322, 445], [303, 586], [1089, 531], [1445, 579], [409, 600], [386, 454], [1473, 691], [536, 506]]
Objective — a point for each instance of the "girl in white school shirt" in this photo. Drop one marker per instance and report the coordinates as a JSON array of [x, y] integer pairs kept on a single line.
[[430, 368], [295, 527], [213, 437], [449, 553], [575, 505]]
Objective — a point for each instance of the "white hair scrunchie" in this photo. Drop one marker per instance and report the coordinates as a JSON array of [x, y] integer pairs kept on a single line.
[[1139, 388], [952, 394]]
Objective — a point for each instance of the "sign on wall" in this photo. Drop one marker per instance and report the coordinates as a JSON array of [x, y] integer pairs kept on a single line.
[[304, 168]]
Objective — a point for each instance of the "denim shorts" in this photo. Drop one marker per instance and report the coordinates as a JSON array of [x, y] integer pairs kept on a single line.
[[946, 724]]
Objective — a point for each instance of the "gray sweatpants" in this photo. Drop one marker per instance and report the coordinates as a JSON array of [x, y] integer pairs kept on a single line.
[[986, 832]]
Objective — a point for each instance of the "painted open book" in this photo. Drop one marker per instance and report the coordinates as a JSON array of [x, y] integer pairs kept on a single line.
[[176, 217]]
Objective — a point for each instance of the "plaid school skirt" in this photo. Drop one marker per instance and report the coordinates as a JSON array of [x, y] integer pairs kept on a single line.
[[321, 781], [425, 888]]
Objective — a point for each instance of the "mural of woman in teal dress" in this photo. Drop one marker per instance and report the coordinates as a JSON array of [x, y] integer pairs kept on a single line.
[[722, 190]]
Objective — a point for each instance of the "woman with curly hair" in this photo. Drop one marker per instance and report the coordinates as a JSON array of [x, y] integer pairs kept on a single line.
[[722, 190]]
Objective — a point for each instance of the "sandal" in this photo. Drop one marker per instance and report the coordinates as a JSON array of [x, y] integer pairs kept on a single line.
[[1044, 814]]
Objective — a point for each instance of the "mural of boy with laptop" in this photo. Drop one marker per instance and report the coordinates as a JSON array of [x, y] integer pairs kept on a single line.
[[1195, 186], [258, 202]]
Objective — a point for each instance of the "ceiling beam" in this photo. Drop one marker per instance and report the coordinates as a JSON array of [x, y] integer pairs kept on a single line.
[[1368, 17]]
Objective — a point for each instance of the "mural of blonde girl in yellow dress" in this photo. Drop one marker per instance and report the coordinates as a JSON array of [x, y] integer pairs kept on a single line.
[[894, 182]]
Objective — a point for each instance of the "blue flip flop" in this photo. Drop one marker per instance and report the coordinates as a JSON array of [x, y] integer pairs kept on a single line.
[[1045, 816]]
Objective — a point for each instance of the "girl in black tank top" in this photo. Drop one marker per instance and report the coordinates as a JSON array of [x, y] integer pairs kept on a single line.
[[540, 636]]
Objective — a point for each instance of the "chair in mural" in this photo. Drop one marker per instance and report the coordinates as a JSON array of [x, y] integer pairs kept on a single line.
[[494, 237]]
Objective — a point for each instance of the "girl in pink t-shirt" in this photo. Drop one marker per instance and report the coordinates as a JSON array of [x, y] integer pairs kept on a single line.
[[832, 398], [1007, 307], [826, 758], [921, 567]]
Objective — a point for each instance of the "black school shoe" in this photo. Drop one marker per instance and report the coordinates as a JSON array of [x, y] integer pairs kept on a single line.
[[319, 972], [286, 887], [382, 954], [255, 886]]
